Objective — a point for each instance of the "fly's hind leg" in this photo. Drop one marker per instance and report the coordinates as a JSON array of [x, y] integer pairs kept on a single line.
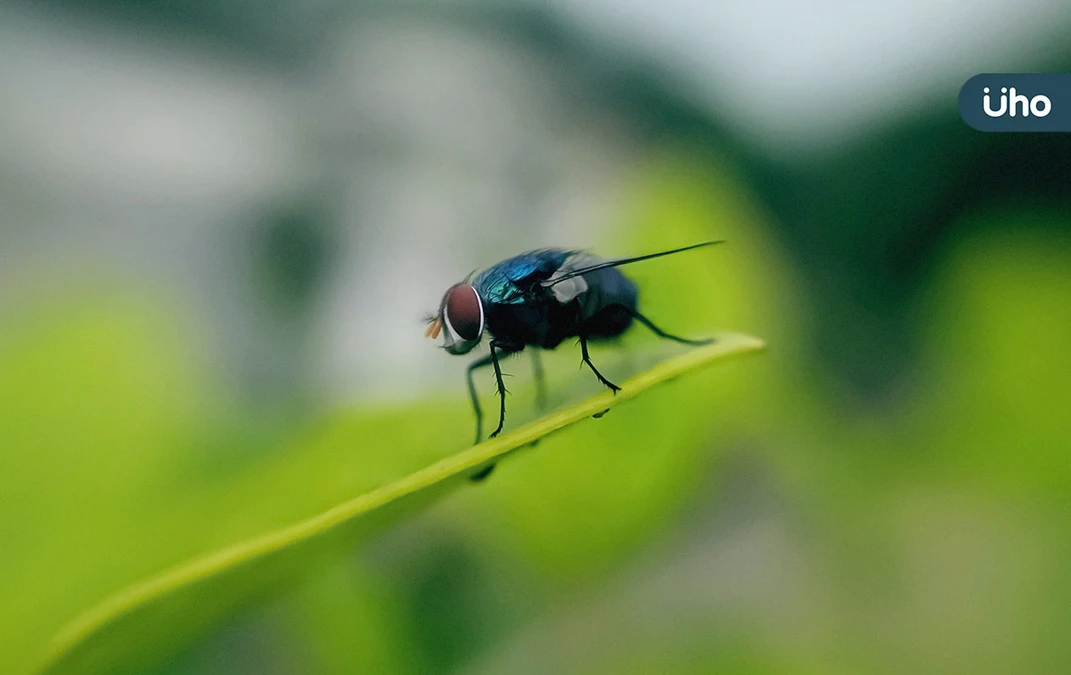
[[587, 359], [663, 334]]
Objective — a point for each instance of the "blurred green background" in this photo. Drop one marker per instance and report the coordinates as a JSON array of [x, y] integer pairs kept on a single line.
[[220, 224]]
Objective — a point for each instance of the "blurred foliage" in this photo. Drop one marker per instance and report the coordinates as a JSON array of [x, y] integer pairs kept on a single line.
[[922, 537], [902, 447], [293, 246]]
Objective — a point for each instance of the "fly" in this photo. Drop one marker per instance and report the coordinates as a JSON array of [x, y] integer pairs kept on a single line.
[[538, 299]]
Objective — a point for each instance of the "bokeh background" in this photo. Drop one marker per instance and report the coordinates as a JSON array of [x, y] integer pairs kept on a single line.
[[221, 223]]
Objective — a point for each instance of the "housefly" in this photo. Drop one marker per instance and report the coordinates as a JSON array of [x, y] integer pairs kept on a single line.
[[538, 299]]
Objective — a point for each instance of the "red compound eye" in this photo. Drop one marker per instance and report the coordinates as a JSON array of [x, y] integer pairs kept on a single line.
[[463, 312]]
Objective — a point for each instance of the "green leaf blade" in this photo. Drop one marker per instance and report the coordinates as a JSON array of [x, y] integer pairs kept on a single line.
[[134, 623]]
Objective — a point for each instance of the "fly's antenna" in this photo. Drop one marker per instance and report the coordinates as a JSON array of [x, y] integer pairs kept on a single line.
[[625, 261], [434, 326]]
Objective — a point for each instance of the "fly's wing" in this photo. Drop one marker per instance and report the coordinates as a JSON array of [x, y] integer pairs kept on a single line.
[[510, 281], [607, 264], [569, 289]]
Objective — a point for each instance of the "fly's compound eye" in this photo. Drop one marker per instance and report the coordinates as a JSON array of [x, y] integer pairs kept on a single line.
[[463, 312]]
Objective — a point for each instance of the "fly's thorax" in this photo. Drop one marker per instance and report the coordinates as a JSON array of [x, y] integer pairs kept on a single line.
[[517, 323]]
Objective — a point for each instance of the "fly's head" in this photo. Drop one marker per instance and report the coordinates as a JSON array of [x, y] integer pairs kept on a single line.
[[460, 319]]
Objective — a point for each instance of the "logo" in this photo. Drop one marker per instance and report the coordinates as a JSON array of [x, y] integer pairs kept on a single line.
[[1017, 102], [1039, 105]]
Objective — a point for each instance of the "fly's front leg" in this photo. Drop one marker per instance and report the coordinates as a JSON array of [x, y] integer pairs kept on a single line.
[[479, 363], [587, 359], [497, 350]]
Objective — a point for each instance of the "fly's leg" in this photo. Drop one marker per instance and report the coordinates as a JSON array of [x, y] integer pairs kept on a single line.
[[661, 333], [501, 385], [479, 363], [497, 350], [587, 359], [540, 383]]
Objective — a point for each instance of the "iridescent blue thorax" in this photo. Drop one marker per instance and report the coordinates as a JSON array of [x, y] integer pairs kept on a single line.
[[510, 281]]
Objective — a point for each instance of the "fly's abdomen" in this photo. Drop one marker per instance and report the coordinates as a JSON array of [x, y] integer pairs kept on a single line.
[[606, 306]]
